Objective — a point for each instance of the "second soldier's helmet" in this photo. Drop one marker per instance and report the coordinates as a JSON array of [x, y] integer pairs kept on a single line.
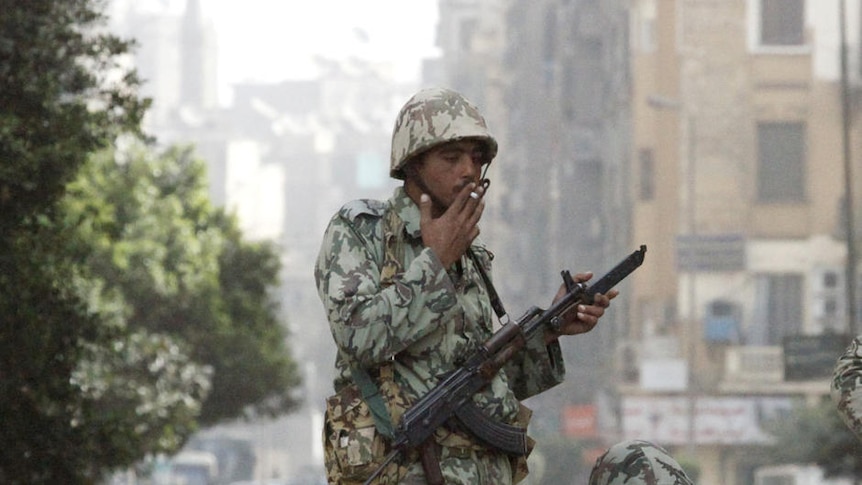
[[431, 117]]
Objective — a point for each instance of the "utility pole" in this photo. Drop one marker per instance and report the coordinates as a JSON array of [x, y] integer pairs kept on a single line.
[[848, 178]]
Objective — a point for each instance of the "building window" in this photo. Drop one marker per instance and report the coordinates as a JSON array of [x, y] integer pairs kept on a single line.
[[644, 35], [781, 154], [722, 322], [658, 317], [584, 80], [466, 32], [549, 45], [827, 299], [782, 22], [646, 181], [779, 310]]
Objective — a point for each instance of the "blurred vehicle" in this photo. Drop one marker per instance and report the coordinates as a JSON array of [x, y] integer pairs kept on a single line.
[[795, 475], [273, 481], [193, 468], [308, 476]]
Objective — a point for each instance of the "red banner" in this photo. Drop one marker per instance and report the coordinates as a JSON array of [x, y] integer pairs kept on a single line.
[[580, 421]]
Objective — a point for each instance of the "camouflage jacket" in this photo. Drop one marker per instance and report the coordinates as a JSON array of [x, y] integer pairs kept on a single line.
[[426, 320], [847, 386]]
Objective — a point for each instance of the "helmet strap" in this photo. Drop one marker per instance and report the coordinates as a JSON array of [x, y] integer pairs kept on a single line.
[[485, 182]]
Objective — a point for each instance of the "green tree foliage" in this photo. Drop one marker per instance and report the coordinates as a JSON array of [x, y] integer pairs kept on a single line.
[[43, 327], [126, 312], [139, 394], [63, 94], [181, 268], [816, 435], [54, 110]]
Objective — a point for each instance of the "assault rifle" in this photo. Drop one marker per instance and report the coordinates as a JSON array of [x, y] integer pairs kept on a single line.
[[450, 399]]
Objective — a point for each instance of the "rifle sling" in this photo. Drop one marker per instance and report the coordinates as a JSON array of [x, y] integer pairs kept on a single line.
[[371, 394], [393, 226], [496, 303]]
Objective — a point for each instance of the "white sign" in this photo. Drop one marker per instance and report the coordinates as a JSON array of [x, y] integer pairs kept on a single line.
[[717, 420], [664, 375]]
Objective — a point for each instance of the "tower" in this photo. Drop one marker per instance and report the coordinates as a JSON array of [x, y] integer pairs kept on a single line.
[[198, 86]]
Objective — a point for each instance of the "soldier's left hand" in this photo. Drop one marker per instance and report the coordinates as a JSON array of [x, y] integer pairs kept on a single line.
[[581, 318]]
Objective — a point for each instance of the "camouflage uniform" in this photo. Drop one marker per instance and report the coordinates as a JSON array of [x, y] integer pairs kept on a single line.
[[847, 386], [425, 318], [422, 323], [637, 463]]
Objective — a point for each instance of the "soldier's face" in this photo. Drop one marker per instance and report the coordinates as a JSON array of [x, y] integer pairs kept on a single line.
[[446, 169]]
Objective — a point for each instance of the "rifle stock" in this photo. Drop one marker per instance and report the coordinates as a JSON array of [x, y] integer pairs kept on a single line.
[[451, 397]]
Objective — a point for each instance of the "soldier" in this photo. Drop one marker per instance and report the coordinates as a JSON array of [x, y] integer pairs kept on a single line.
[[403, 288], [637, 463], [846, 386]]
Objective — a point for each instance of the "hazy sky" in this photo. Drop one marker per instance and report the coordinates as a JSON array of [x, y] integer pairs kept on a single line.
[[272, 40]]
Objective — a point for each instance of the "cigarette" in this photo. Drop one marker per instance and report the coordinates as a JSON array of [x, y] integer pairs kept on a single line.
[[474, 195]]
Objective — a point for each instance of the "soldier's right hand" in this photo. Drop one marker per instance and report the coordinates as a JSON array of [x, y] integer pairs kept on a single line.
[[451, 234]]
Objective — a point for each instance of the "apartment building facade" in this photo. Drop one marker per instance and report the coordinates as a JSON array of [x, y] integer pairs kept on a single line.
[[552, 78], [738, 188], [712, 131]]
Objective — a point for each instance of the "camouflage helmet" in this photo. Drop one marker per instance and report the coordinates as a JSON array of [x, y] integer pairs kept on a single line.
[[637, 462], [431, 117]]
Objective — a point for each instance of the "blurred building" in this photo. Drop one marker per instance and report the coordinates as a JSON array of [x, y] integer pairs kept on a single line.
[[553, 80], [283, 157], [712, 133], [286, 156], [738, 190]]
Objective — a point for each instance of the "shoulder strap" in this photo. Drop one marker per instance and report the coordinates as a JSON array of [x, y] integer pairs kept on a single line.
[[496, 303], [371, 394], [393, 226], [393, 251]]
